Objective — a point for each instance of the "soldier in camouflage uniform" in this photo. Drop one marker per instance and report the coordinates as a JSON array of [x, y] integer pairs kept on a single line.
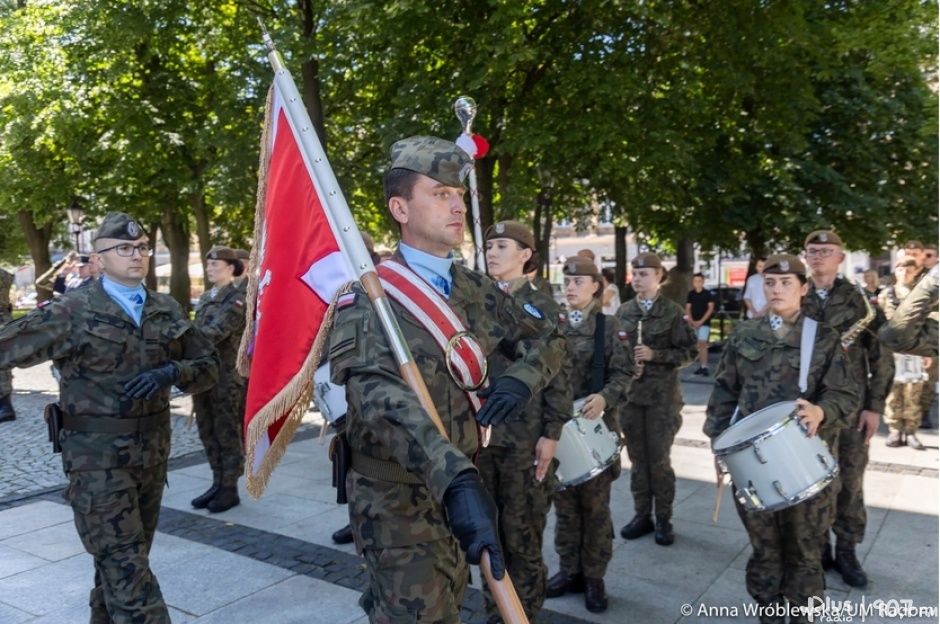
[[6, 378], [933, 370], [903, 412], [584, 528], [652, 416], [120, 347], [913, 328], [220, 411], [844, 307], [760, 367], [416, 501], [517, 467]]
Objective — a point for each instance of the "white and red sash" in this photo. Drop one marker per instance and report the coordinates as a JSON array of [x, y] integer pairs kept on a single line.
[[464, 356]]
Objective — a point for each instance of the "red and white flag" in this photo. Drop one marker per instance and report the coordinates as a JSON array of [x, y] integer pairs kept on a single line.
[[296, 268]]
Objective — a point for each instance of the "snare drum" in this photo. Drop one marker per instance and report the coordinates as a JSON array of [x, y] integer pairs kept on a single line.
[[772, 462], [331, 399], [586, 449]]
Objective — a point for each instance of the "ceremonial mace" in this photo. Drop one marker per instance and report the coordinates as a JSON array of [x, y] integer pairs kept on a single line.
[[465, 107]]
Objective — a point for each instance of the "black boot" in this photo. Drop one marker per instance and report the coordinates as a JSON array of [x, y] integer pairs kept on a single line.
[[825, 556], [564, 583], [638, 527], [201, 501], [224, 500], [848, 566], [343, 536], [664, 535], [595, 596], [6, 408]]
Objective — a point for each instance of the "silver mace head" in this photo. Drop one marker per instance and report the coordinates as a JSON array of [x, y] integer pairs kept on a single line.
[[465, 107]]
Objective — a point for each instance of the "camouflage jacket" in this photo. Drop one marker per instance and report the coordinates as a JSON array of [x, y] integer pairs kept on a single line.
[[6, 283], [98, 348], [757, 370], [385, 420], [870, 368], [222, 320], [667, 332], [912, 328], [619, 366], [549, 410]]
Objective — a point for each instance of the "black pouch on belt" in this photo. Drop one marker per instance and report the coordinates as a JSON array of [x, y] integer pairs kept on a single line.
[[53, 417], [341, 456]]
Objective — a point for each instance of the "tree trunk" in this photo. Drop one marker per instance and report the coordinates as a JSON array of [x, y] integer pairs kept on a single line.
[[176, 237], [757, 243], [679, 278], [542, 228], [198, 202], [620, 259], [150, 281], [484, 172], [37, 239], [310, 73]]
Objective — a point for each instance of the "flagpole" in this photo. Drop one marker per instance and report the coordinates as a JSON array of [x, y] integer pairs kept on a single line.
[[358, 258]]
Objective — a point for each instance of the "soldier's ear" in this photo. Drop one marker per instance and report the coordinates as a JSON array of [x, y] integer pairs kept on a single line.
[[398, 208]]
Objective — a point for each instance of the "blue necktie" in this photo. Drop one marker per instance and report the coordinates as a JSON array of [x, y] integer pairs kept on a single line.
[[442, 286], [136, 298]]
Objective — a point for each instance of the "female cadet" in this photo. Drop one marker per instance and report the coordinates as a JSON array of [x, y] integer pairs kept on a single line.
[[760, 367], [220, 411], [663, 343], [516, 466], [584, 527]]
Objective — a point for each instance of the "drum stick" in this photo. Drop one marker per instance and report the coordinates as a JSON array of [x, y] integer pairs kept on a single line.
[[720, 492]]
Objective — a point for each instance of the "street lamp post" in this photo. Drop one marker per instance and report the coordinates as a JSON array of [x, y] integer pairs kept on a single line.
[[76, 214]]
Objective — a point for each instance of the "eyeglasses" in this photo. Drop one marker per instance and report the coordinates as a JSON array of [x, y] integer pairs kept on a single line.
[[126, 250], [822, 253]]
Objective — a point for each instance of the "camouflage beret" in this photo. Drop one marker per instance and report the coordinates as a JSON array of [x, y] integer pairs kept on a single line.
[[222, 253], [436, 158], [784, 264], [930, 246], [579, 265], [121, 226], [914, 244], [905, 263], [823, 237], [511, 229], [586, 253], [82, 260], [647, 261]]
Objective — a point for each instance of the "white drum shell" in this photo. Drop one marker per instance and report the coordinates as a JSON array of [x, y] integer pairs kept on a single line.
[[331, 398], [586, 449], [772, 462]]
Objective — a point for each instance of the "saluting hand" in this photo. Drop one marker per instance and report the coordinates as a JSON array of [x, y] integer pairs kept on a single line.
[[811, 416], [544, 454]]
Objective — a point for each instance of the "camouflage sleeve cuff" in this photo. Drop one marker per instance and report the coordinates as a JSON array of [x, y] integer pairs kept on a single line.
[[439, 474], [877, 406], [552, 430]]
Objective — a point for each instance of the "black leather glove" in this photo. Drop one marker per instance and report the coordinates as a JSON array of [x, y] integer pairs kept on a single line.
[[472, 515], [505, 399], [145, 385]]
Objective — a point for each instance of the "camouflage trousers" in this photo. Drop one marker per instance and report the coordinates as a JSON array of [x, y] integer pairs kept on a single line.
[[419, 583], [649, 431], [903, 408], [930, 388], [584, 527], [116, 513], [785, 562], [849, 517], [220, 418], [523, 503]]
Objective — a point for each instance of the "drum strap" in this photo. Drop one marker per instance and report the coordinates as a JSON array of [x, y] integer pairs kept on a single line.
[[597, 369], [807, 341]]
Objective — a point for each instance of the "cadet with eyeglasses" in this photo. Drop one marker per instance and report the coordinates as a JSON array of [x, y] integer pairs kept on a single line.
[[119, 347]]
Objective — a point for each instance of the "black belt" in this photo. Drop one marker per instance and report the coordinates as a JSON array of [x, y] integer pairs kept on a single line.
[[382, 470], [110, 424]]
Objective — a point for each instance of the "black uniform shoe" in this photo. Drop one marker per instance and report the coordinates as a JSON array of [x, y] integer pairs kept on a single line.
[[343, 536], [914, 443], [224, 500], [825, 556], [564, 583], [638, 527], [6, 408], [664, 535], [848, 566], [201, 501], [595, 596]]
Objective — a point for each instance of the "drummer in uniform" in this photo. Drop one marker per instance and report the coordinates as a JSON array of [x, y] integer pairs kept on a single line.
[[759, 367], [517, 466], [418, 508], [584, 528], [663, 342], [844, 307]]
